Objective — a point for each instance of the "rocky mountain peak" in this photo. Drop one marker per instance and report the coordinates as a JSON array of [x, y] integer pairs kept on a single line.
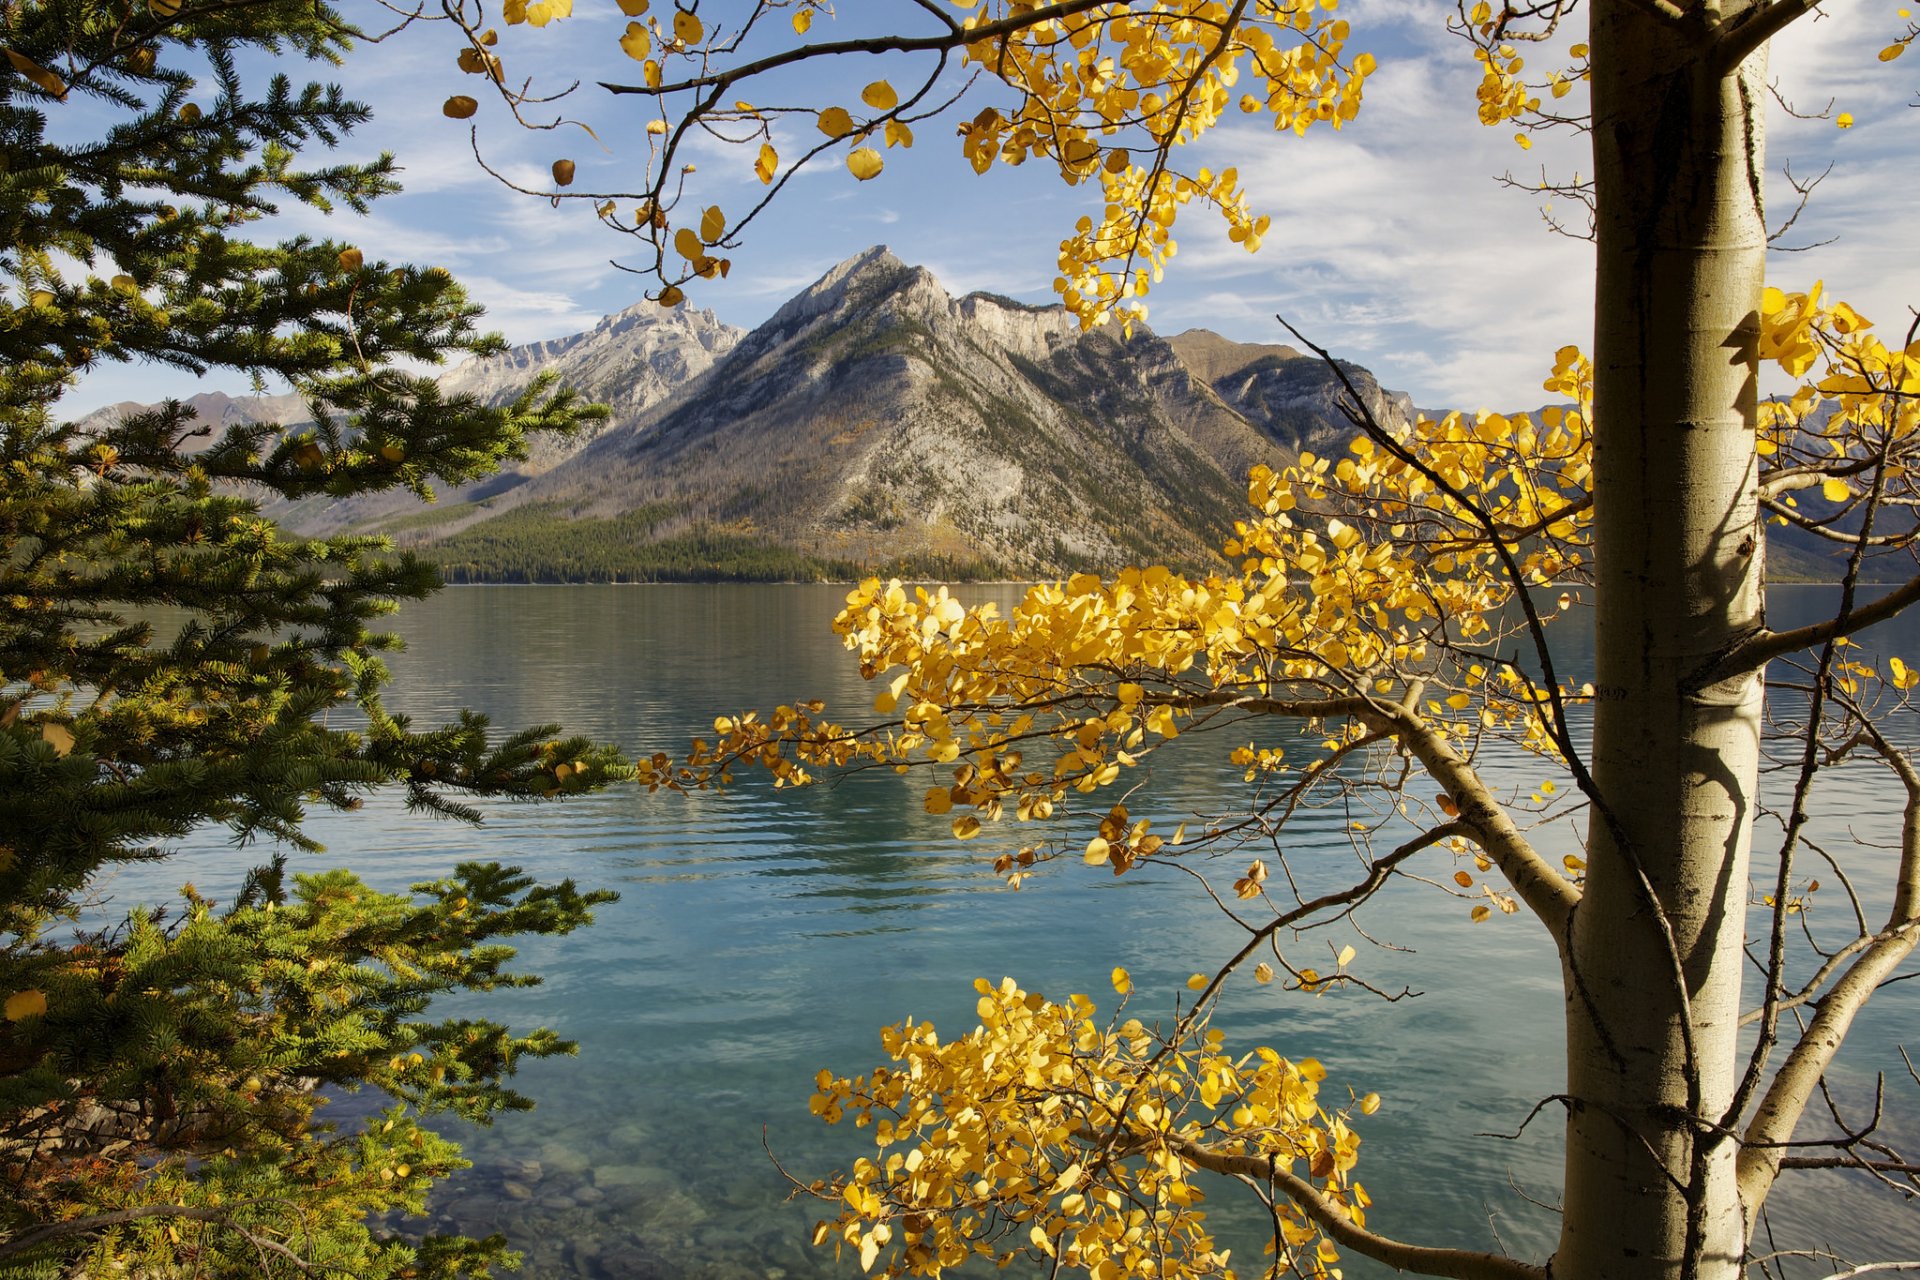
[[875, 271]]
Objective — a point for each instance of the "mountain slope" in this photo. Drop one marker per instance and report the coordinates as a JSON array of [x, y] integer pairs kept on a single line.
[[875, 422], [629, 361], [876, 419]]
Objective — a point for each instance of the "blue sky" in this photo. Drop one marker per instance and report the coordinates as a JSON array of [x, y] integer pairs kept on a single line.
[[1391, 242]]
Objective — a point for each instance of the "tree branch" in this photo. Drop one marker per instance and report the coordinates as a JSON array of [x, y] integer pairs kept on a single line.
[[1792, 1088], [1550, 895], [955, 37], [1460, 1264], [1753, 27], [1764, 646]]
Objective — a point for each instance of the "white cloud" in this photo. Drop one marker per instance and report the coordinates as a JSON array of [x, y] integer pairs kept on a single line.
[[1391, 242]]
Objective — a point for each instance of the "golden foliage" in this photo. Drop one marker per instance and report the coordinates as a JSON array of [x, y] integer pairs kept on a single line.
[[1046, 1136]]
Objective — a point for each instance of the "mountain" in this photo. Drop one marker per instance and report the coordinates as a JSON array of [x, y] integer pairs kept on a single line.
[[875, 422], [629, 361], [1293, 396]]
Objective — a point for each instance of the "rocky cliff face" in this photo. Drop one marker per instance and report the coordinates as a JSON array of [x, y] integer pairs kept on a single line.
[[1291, 396], [629, 362]]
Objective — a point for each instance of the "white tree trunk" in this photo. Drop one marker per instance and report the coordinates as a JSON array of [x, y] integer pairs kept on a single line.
[[1681, 254]]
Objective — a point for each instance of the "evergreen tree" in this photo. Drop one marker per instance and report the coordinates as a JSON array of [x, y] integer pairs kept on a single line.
[[166, 653]]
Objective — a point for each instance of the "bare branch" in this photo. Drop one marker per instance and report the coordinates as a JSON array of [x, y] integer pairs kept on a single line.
[[1764, 646], [1753, 27], [954, 37], [1460, 1264], [1786, 1097]]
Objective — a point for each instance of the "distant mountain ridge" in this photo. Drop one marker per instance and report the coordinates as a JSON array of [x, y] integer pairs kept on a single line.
[[873, 423]]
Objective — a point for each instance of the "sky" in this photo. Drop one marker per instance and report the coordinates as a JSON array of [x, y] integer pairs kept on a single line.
[[1392, 244]]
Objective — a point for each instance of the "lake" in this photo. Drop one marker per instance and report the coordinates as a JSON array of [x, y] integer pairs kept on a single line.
[[763, 935]]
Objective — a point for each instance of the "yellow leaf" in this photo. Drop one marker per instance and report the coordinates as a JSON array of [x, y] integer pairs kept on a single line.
[[1844, 120], [1462, 879], [1122, 980], [801, 21], [1481, 912], [459, 107], [688, 245], [1263, 973], [1893, 51], [898, 134], [1835, 490], [864, 163], [1098, 852], [880, 96], [656, 127], [1345, 957], [57, 736], [637, 43], [966, 827], [634, 8], [713, 224], [563, 172], [1369, 1104], [33, 71], [687, 27], [835, 122], [1197, 982], [768, 163], [939, 801], [26, 1004], [671, 296], [351, 259]]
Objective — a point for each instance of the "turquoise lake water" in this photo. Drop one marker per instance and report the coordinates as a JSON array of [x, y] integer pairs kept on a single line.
[[761, 936]]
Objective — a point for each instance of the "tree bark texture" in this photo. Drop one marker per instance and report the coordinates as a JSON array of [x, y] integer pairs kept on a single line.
[[1654, 959]]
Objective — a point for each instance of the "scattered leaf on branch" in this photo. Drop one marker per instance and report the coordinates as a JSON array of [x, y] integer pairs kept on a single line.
[[563, 172], [864, 163], [459, 107], [835, 122], [33, 71]]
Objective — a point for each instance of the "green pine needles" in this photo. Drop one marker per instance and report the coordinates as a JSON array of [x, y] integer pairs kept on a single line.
[[166, 653]]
